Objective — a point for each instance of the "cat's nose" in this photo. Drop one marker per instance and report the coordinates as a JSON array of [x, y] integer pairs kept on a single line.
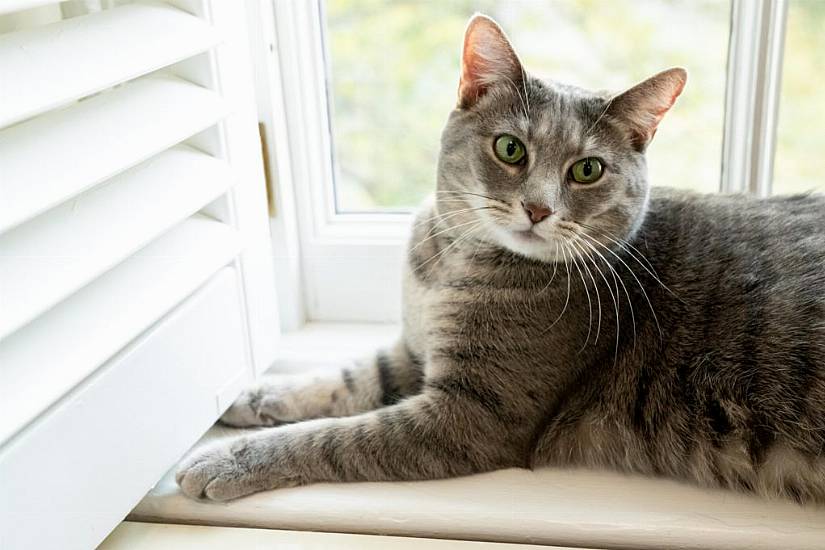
[[537, 212]]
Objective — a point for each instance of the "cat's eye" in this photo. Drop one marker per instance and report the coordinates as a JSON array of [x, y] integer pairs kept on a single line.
[[586, 170], [509, 149]]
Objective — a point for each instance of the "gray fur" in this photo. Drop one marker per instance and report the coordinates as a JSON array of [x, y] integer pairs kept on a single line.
[[646, 330]]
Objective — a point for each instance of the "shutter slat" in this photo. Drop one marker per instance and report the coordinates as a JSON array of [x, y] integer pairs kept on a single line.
[[48, 258], [9, 6], [118, 129], [45, 359], [58, 63]]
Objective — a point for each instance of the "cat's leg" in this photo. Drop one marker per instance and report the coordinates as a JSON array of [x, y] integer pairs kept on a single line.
[[445, 431], [384, 379]]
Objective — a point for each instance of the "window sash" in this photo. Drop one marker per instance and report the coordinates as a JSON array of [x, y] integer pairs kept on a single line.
[[377, 238], [752, 98]]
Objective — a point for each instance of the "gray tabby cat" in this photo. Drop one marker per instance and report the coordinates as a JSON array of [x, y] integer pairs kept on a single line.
[[560, 311]]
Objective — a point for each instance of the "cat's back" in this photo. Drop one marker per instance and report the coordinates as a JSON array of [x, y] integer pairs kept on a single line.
[[779, 241], [740, 268], [734, 219]]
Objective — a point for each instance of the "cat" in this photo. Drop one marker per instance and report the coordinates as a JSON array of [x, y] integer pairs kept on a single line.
[[560, 311]]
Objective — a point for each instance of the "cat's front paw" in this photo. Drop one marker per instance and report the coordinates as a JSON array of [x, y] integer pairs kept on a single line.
[[226, 470], [284, 399], [267, 403], [248, 409]]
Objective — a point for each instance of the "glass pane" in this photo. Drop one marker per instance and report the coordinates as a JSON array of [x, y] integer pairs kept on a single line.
[[800, 145], [394, 75]]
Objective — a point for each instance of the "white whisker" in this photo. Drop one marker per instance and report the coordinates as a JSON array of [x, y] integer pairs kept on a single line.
[[617, 279], [613, 296], [638, 282], [586, 257], [441, 216], [600, 117], [524, 87], [589, 302], [624, 244], [440, 254], [525, 109], [555, 267], [443, 231], [449, 192], [567, 299]]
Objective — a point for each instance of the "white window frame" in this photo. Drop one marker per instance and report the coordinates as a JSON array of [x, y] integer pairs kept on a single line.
[[348, 265], [755, 55]]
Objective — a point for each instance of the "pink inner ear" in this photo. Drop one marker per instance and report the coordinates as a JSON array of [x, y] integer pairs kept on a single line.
[[473, 65], [469, 88], [486, 58], [644, 106], [660, 113]]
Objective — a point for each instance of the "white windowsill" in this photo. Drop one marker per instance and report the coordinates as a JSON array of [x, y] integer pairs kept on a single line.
[[559, 507], [159, 536]]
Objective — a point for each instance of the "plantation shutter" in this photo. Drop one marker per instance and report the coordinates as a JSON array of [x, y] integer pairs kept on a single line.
[[136, 292]]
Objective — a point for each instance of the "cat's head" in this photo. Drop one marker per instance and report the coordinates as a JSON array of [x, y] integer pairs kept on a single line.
[[525, 163]]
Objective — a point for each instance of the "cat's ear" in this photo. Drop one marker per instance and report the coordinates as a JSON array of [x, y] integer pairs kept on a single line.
[[487, 59], [642, 107]]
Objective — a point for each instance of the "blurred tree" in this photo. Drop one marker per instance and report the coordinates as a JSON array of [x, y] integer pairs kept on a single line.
[[800, 148], [394, 68]]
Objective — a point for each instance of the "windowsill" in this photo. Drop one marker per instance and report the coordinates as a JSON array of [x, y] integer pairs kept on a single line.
[[160, 536], [328, 345], [549, 506]]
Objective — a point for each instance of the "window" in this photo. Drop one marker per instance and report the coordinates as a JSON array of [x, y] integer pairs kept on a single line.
[[800, 157], [365, 88], [394, 66]]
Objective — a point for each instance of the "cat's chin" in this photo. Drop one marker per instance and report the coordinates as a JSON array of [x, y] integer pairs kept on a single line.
[[531, 245], [529, 236]]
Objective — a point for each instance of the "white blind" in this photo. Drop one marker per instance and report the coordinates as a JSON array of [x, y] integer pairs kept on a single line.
[[136, 286], [114, 189]]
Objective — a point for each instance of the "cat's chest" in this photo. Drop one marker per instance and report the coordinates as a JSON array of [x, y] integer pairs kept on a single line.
[[524, 314]]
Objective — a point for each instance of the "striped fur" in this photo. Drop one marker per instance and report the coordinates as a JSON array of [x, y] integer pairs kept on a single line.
[[653, 331]]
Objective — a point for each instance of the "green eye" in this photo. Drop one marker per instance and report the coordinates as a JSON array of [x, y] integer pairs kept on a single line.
[[509, 149], [586, 170]]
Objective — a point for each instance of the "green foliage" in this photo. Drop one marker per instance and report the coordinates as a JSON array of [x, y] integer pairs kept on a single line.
[[800, 150], [394, 67]]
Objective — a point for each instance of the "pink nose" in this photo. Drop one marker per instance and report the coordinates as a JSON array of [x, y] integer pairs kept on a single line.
[[536, 212]]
